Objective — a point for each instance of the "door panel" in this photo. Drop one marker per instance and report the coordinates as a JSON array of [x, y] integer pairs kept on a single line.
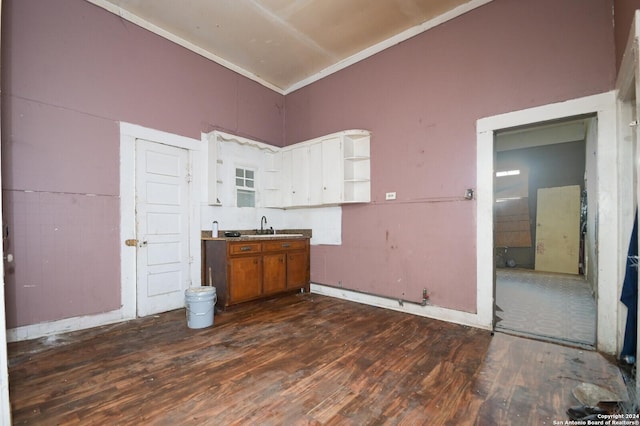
[[162, 219], [296, 269], [331, 171], [558, 229], [248, 271], [275, 273]]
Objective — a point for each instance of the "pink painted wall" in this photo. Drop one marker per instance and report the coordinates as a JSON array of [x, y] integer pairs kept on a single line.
[[421, 100], [70, 72]]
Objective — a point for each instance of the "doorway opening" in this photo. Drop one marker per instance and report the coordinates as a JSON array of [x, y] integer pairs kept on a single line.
[[544, 244], [607, 209]]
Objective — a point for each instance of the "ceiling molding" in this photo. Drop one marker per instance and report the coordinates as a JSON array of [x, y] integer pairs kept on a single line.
[[363, 54], [135, 19]]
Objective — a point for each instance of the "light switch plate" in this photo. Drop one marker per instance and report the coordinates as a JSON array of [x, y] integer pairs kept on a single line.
[[390, 196]]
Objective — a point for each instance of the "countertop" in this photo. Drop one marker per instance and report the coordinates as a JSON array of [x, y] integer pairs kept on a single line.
[[252, 235]]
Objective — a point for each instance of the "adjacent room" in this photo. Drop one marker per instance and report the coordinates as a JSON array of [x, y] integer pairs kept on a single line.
[[389, 212], [544, 285]]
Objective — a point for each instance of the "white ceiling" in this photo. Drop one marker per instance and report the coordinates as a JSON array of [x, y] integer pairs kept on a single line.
[[287, 44]]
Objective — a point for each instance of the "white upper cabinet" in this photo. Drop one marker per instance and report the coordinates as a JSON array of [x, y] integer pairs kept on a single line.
[[300, 179], [330, 170]]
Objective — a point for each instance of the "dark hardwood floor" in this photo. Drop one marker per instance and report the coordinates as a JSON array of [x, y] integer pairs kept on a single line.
[[302, 359]]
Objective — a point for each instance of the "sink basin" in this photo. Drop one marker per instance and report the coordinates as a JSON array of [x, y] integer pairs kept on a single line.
[[273, 235]]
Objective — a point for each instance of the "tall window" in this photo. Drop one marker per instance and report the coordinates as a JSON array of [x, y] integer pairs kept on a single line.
[[245, 187]]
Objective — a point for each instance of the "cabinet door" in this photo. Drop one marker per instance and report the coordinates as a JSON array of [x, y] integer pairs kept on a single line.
[[297, 269], [245, 278], [274, 273], [332, 171], [300, 176], [287, 187], [315, 174]]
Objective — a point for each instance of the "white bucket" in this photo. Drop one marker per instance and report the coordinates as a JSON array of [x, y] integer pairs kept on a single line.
[[200, 303]]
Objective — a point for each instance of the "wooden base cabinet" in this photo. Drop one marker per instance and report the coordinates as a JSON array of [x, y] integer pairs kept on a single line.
[[243, 271], [248, 271]]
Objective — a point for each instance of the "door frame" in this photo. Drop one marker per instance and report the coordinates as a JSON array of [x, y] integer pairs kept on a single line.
[[128, 135], [608, 202]]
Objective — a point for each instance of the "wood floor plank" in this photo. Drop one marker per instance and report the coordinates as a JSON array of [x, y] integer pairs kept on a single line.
[[302, 359]]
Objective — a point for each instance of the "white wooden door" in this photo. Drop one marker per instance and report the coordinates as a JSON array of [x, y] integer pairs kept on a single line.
[[558, 229], [162, 222]]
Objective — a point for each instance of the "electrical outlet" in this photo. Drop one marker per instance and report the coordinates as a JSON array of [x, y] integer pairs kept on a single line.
[[390, 196]]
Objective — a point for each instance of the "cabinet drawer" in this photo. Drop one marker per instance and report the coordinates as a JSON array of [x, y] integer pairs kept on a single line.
[[244, 248], [284, 245]]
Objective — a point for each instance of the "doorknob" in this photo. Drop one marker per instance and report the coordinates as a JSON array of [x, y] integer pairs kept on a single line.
[[135, 243], [8, 258]]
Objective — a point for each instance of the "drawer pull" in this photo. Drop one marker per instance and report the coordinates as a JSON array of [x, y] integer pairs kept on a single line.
[[286, 245], [245, 248]]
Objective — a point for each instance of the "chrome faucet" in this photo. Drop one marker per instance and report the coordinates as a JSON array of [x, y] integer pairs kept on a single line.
[[263, 222]]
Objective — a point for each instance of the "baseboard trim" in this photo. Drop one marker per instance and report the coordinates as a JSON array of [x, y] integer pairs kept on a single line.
[[50, 328], [428, 311]]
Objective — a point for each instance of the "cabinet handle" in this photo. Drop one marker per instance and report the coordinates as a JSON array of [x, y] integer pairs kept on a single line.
[[245, 248], [285, 245]]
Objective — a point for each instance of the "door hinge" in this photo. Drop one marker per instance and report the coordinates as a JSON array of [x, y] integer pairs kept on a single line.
[[190, 259], [189, 177]]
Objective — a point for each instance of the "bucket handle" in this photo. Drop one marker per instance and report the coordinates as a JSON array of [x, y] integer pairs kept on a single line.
[[215, 299]]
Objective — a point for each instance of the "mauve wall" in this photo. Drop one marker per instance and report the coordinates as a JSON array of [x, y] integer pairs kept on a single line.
[[421, 100], [70, 72]]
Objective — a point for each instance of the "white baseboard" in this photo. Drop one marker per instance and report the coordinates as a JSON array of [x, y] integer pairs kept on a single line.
[[428, 311], [80, 323], [64, 326]]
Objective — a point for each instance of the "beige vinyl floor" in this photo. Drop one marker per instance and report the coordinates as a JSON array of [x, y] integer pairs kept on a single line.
[[547, 306]]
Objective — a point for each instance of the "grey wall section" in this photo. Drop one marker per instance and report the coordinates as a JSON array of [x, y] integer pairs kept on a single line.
[[549, 166], [71, 72]]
